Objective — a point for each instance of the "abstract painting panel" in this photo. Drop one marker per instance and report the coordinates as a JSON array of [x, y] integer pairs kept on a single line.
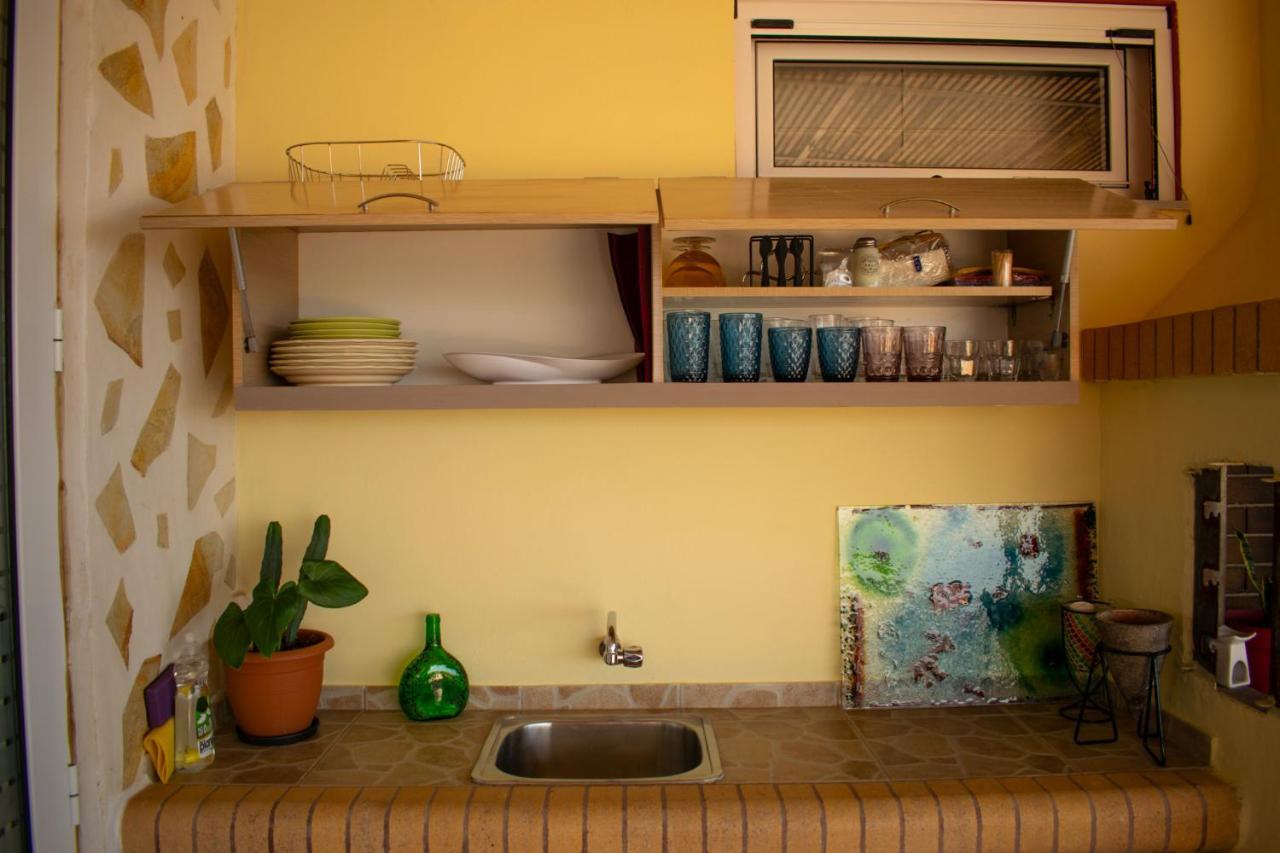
[[953, 605]]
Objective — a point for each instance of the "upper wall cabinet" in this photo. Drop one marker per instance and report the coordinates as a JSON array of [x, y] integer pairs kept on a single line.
[[532, 266], [751, 204]]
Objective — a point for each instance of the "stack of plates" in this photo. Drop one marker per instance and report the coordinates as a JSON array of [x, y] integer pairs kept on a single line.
[[343, 351], [310, 328]]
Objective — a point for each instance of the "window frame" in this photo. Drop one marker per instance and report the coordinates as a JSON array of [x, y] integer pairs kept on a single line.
[[1046, 23], [770, 52]]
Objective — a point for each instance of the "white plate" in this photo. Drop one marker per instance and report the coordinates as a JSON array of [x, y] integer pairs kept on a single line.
[[515, 368]]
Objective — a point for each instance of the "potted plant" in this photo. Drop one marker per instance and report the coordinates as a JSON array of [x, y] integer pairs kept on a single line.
[[1257, 621], [275, 668]]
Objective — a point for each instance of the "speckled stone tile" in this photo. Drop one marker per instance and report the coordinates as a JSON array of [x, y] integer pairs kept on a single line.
[[236, 762], [757, 745]]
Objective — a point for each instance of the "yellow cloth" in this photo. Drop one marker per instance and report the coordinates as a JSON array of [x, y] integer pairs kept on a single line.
[[159, 747]]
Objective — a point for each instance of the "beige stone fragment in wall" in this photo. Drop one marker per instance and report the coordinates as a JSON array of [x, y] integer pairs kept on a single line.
[[226, 63], [162, 530], [214, 312], [115, 172], [111, 405], [113, 508], [175, 325], [201, 458], [206, 560], [120, 295], [152, 13], [224, 399], [120, 621], [223, 498], [127, 75], [171, 166], [157, 432], [174, 268], [184, 58], [133, 723], [213, 118]]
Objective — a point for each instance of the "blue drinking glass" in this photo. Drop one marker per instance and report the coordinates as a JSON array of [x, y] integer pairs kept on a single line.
[[838, 353], [789, 350], [740, 346], [688, 342]]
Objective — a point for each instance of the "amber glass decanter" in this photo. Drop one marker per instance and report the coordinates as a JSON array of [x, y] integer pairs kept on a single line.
[[434, 684], [694, 266]]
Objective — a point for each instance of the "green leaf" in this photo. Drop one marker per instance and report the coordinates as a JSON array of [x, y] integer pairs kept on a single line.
[[260, 617], [291, 633], [319, 540], [328, 584], [231, 636], [272, 558], [287, 606]]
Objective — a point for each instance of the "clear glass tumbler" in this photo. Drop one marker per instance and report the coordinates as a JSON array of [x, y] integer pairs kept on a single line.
[[962, 360], [882, 352], [1030, 354], [1051, 365], [923, 348], [688, 339], [740, 346], [1004, 360], [790, 345]]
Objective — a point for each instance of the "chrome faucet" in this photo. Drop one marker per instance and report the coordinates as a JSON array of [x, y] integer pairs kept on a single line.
[[614, 652]]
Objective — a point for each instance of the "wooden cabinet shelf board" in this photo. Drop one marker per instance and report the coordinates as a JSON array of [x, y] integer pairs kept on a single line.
[[334, 206], [948, 297], [625, 395]]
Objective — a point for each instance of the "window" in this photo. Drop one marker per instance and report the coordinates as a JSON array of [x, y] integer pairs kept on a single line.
[[1237, 504], [871, 89]]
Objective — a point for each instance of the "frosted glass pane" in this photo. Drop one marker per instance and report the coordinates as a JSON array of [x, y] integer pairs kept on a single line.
[[934, 115]]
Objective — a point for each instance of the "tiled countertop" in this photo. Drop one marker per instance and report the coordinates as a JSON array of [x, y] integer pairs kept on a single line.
[[756, 745], [796, 779]]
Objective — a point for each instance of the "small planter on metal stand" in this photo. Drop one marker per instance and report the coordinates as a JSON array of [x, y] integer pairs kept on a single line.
[[1133, 646], [1080, 643]]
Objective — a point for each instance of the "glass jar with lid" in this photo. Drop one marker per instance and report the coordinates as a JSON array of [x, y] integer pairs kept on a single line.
[[694, 266], [865, 264]]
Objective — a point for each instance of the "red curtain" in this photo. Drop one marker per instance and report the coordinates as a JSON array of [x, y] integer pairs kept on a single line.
[[633, 274]]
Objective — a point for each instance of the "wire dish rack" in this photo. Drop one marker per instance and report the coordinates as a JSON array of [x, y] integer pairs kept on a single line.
[[376, 160]]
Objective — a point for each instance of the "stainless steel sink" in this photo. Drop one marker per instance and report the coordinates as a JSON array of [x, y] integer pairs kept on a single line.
[[538, 750]]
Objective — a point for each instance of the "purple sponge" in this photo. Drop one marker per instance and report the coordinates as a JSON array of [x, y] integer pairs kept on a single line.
[[159, 697]]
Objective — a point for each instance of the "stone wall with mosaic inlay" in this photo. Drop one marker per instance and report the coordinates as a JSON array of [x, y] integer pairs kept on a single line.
[[147, 119]]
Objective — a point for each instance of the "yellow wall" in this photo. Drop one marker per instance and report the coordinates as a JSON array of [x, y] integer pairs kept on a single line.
[[1152, 432], [715, 540], [717, 544]]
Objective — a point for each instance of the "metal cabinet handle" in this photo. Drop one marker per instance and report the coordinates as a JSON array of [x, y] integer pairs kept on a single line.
[[432, 204], [952, 210]]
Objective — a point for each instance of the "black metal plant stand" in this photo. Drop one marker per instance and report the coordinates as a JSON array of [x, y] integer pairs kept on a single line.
[[1150, 723]]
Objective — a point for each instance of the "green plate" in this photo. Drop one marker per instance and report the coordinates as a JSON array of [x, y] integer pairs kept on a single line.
[[326, 326], [347, 321], [344, 333]]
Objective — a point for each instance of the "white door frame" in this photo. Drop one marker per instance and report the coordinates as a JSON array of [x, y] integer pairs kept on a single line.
[[33, 247]]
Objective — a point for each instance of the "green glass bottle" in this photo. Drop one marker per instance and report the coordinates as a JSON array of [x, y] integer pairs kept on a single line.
[[434, 684]]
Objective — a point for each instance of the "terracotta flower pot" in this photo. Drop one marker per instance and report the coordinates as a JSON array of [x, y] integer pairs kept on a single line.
[[1132, 630], [278, 695]]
